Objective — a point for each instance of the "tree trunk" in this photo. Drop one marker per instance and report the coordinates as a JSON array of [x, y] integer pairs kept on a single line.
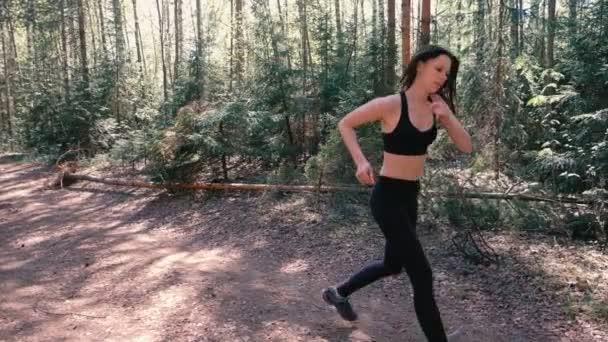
[[363, 23], [120, 56], [168, 42], [84, 66], [572, 26], [324, 188], [102, 28], [162, 48], [541, 38], [72, 36], [550, 33], [199, 49], [284, 28], [406, 14], [459, 17], [9, 100], [239, 40], [498, 90], [480, 34], [425, 22], [515, 28], [92, 27], [178, 37], [138, 47], [30, 29], [521, 26], [354, 48], [382, 51], [231, 76], [391, 55], [304, 44], [338, 21], [64, 52]]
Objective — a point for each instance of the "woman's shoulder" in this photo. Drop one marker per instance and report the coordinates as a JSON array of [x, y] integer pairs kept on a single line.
[[388, 102]]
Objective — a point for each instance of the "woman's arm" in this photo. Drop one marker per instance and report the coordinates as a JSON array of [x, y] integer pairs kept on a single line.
[[372, 111], [457, 133]]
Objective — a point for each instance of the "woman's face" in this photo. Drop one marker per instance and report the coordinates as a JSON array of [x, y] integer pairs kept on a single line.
[[434, 72]]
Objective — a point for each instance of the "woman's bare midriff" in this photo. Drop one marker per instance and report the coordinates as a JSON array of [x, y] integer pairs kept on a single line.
[[402, 167]]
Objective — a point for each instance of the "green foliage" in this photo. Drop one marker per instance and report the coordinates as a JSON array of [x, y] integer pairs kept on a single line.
[[583, 226], [466, 213]]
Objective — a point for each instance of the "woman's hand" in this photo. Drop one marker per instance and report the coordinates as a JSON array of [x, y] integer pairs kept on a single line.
[[365, 173], [457, 133], [441, 110]]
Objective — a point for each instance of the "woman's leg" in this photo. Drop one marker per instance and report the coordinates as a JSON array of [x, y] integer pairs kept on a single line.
[[375, 270], [421, 276]]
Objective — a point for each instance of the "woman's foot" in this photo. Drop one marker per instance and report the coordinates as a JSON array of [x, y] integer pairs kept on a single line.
[[331, 297]]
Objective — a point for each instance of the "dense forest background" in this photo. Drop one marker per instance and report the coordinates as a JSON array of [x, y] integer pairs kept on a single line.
[[252, 90]]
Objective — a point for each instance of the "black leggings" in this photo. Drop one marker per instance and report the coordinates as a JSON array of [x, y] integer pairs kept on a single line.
[[394, 205]]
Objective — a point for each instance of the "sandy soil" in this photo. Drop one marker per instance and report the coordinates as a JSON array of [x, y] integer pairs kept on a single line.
[[92, 262]]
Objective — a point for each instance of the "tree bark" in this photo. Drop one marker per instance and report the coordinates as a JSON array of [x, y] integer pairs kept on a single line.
[[168, 42], [550, 33], [406, 14], [65, 55], [382, 90], [353, 51], [338, 21], [521, 26], [92, 27], [199, 49], [239, 43], [498, 93], [9, 101], [162, 48], [515, 28], [138, 45], [391, 55], [425, 22], [305, 53], [284, 28], [324, 188], [178, 38], [120, 56], [541, 40], [572, 26], [102, 28], [84, 66]]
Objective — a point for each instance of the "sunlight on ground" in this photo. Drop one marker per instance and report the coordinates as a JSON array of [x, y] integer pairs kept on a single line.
[[295, 266]]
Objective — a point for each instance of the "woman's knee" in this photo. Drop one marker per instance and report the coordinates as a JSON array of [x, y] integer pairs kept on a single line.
[[393, 268]]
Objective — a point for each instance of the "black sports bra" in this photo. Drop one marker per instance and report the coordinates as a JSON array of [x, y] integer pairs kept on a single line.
[[406, 139]]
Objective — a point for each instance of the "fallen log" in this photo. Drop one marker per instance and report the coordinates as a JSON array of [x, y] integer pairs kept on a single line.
[[214, 186], [323, 188]]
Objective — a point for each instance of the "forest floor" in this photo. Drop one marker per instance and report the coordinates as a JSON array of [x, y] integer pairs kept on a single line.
[[92, 262]]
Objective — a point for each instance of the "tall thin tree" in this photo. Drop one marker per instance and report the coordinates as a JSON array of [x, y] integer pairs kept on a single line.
[[391, 46], [64, 52], [138, 45], [178, 37], [200, 56], [549, 58], [120, 56], [84, 66], [425, 23], [239, 42], [161, 32], [9, 100], [406, 15]]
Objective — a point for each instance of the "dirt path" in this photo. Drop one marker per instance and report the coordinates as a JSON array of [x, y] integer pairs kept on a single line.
[[96, 263]]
